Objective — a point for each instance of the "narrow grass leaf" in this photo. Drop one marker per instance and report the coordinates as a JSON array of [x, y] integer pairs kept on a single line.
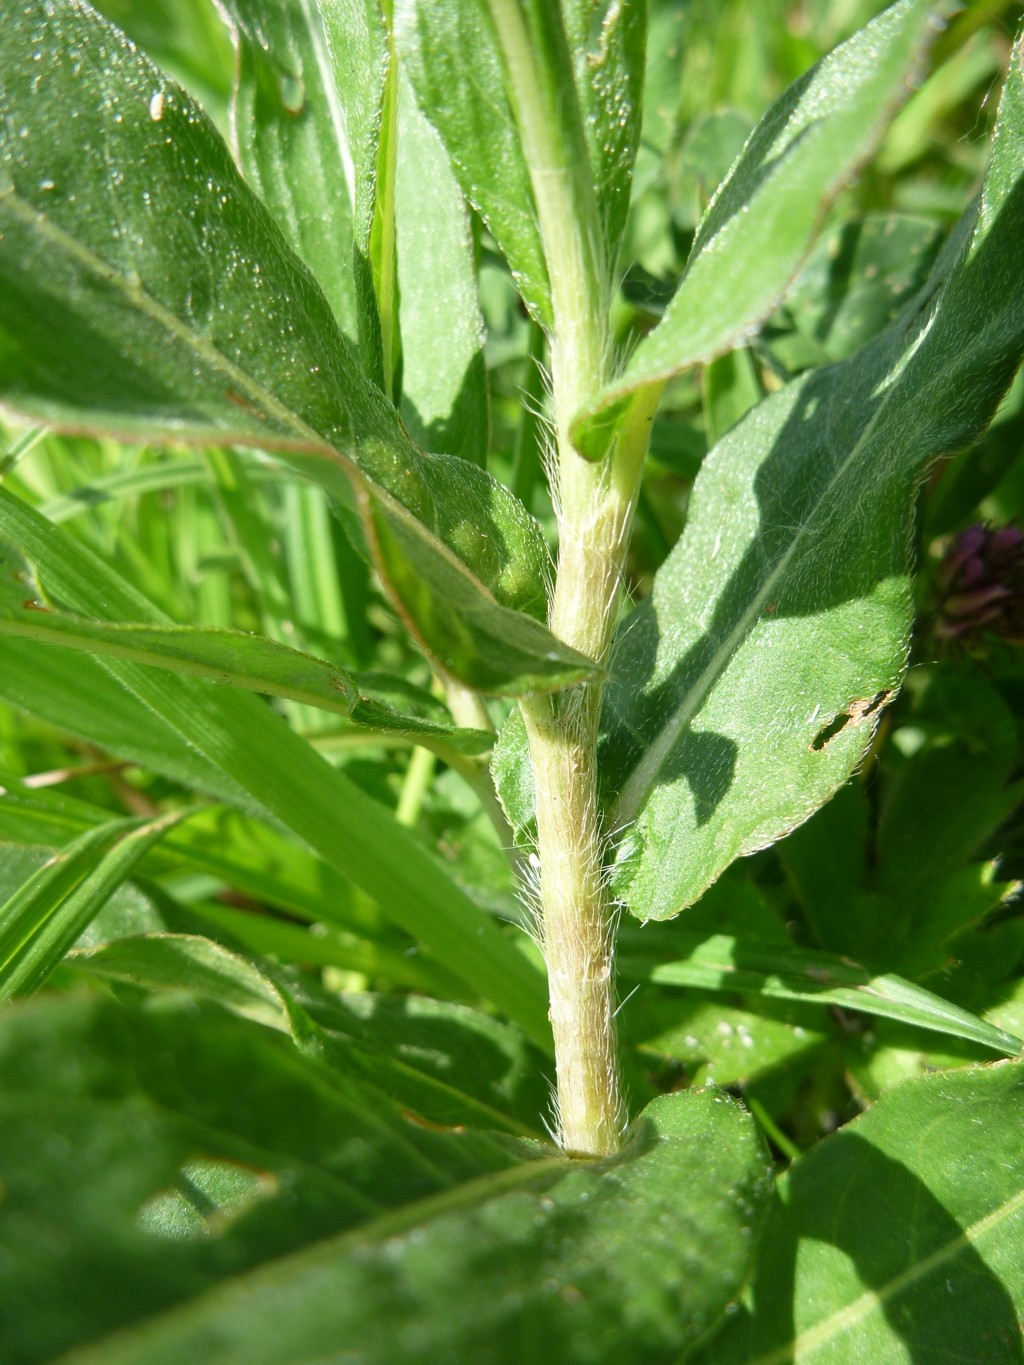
[[249, 857], [326, 946], [284, 778], [78, 696], [232, 658], [723, 963], [158, 477], [46, 915]]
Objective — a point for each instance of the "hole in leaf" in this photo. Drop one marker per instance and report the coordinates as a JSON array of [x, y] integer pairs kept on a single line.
[[855, 714]]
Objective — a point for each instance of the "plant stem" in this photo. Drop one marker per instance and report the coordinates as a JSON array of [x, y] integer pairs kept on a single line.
[[595, 505], [576, 917], [418, 777]]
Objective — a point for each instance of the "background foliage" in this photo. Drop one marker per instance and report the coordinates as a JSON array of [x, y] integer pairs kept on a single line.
[[285, 1074]]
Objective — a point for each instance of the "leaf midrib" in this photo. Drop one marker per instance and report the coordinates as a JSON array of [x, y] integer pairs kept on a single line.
[[317, 36], [871, 1300], [270, 407], [306, 438], [643, 777]]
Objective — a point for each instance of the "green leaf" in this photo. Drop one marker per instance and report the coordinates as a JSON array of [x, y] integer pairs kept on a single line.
[[245, 856], [975, 473], [730, 387], [285, 779], [309, 82], [898, 1238], [187, 36], [148, 293], [760, 223], [446, 1063], [127, 912], [451, 55], [491, 649], [468, 1247], [721, 962], [900, 891], [702, 162], [859, 276], [444, 389], [83, 699], [229, 657], [608, 43], [146, 1092], [580, 68], [368, 953], [705, 1038], [178, 962], [383, 257], [45, 916], [745, 689], [512, 771]]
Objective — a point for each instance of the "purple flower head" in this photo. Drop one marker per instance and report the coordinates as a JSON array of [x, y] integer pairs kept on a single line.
[[980, 586]]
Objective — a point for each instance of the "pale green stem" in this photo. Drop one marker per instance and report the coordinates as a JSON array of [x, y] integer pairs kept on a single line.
[[418, 777], [595, 507], [563, 732], [468, 709]]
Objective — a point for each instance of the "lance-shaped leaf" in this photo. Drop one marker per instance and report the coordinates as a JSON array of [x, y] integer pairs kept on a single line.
[[276, 773], [305, 118], [451, 55], [586, 66], [937, 1164], [608, 43], [444, 388], [48, 913], [762, 220], [147, 292], [720, 962], [231, 657], [744, 689]]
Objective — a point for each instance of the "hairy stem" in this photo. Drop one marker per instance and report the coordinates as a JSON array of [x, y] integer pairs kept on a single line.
[[575, 922], [595, 505]]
